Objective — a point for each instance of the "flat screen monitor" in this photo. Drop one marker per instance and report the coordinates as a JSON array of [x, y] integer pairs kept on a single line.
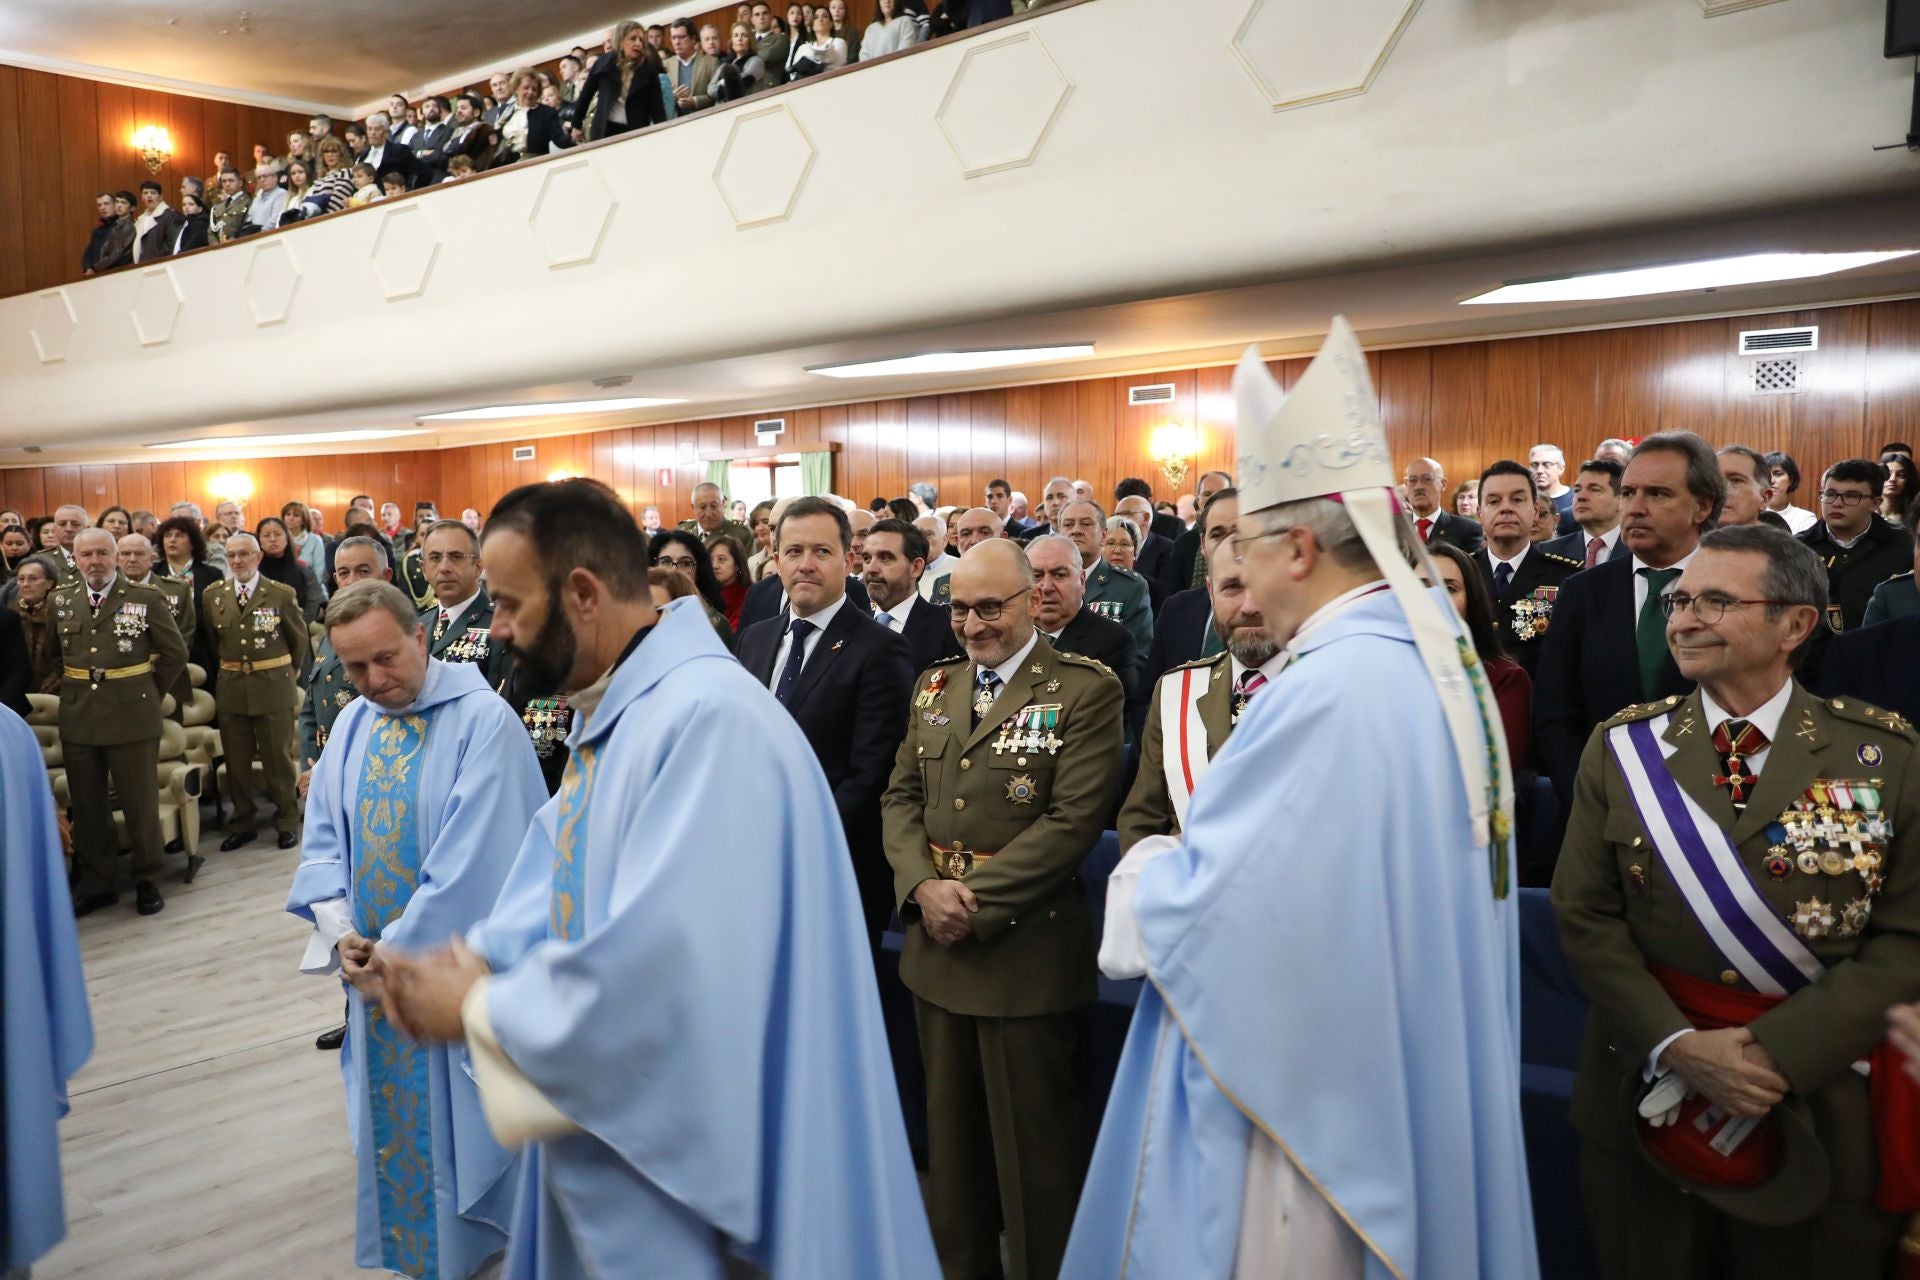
[[1903, 28]]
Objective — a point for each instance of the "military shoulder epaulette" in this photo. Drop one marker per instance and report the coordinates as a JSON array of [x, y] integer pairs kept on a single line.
[[1555, 555], [1898, 576], [1641, 711], [1197, 663], [945, 662], [1866, 713], [1081, 659]]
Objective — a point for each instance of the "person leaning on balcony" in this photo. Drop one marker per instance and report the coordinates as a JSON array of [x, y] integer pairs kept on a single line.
[[823, 52], [526, 127], [742, 70], [892, 29], [332, 188], [622, 91], [195, 224], [229, 211]]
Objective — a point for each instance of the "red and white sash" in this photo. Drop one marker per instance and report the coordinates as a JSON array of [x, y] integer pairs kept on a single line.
[[1183, 738]]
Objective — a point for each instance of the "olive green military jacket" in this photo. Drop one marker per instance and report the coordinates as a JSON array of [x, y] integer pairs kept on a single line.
[[328, 694], [1149, 808], [1011, 807], [179, 594], [728, 529], [261, 651], [1859, 913], [133, 627], [65, 571]]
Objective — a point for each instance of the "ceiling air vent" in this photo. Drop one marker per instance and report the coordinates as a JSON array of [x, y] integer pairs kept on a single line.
[[1157, 393], [1776, 376], [1761, 342], [523, 453]]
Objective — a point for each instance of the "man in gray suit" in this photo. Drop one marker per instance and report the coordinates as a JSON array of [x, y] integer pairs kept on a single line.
[[770, 43]]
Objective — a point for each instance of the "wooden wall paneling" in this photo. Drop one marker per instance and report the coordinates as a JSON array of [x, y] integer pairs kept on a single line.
[[1134, 427], [132, 486], [169, 485], [1626, 389], [1094, 422], [63, 486], [1215, 421], [1059, 452], [51, 254], [1759, 421], [1828, 420], [26, 489], [600, 447], [1695, 377], [1893, 373], [1569, 392], [987, 449], [620, 464], [1406, 404], [689, 470], [1512, 424], [890, 451], [856, 432], [187, 124], [1020, 441], [923, 441], [97, 487], [13, 228], [120, 168], [221, 132], [79, 160], [956, 445], [1457, 410]]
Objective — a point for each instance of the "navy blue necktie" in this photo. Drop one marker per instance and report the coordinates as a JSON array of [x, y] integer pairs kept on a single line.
[[1502, 579], [799, 629]]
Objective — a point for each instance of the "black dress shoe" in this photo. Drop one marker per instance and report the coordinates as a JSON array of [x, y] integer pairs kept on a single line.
[[332, 1039], [288, 839], [235, 840], [194, 863], [147, 899], [93, 902]]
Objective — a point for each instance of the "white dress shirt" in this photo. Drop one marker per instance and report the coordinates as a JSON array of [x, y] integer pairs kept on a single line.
[[1640, 583], [251, 587], [897, 614], [820, 620], [1494, 561]]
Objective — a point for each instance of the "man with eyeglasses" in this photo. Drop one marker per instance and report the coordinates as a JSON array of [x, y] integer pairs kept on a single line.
[[1739, 894], [1001, 787], [1426, 488], [1859, 547], [1112, 592], [459, 622], [1607, 646]]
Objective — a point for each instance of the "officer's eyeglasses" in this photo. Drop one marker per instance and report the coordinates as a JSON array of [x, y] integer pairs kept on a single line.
[[985, 610], [1710, 608], [1835, 498], [449, 557]]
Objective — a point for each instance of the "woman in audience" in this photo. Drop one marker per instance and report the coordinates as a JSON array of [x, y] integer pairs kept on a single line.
[[45, 534], [183, 555], [15, 547], [672, 584], [217, 534], [280, 560], [307, 544], [823, 52], [34, 583], [1466, 500], [678, 549], [299, 181], [622, 91], [761, 522], [843, 28], [527, 128], [116, 520], [729, 561], [1897, 495], [891, 30], [332, 188], [1121, 543], [196, 226], [1512, 688], [742, 70]]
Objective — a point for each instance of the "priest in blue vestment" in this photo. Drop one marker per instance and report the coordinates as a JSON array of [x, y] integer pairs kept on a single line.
[[1322, 1077], [673, 1002], [414, 811], [46, 1033]]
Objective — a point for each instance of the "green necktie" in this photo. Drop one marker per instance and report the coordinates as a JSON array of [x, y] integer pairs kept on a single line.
[[1650, 633]]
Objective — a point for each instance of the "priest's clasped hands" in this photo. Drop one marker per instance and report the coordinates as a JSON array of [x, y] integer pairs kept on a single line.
[[420, 994]]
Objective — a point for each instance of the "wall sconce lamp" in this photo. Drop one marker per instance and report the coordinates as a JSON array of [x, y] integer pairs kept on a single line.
[[155, 146], [235, 486], [1173, 447]]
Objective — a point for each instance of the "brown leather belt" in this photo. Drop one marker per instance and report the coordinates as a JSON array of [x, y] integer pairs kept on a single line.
[[954, 863], [247, 666], [97, 674]]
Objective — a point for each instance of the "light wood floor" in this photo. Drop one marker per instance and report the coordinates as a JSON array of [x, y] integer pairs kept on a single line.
[[208, 1137]]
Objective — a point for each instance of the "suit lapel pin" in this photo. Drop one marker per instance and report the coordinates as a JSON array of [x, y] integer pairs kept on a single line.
[[1870, 755], [1053, 686], [838, 645]]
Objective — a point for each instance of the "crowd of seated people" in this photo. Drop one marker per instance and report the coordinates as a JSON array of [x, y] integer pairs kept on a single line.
[[641, 75]]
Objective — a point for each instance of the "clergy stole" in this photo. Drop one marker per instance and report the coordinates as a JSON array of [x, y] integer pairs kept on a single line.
[[386, 873], [569, 864]]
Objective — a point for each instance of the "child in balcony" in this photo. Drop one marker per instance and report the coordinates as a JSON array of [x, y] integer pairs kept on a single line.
[[366, 185]]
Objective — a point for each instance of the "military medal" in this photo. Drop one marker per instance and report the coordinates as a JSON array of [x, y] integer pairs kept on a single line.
[[1021, 788], [958, 862], [1835, 863], [1637, 877], [125, 646], [1812, 919], [1870, 755], [935, 718], [1853, 917], [1808, 862], [342, 698], [1778, 864]]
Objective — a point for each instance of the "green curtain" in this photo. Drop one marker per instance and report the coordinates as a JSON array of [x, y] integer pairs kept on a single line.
[[816, 473], [717, 472]]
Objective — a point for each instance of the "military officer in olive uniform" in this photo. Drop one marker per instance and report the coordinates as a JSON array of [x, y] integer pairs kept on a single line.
[[1001, 787], [119, 651], [710, 517], [459, 622], [1197, 704], [256, 627], [1739, 893], [136, 557]]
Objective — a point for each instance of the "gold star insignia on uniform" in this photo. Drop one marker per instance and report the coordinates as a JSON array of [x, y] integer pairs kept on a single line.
[[1037, 669], [1053, 686]]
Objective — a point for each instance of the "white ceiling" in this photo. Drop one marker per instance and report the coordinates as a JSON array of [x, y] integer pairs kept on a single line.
[[339, 55], [1410, 304]]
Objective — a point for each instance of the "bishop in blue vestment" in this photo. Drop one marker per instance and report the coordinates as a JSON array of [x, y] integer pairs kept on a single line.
[[46, 1033], [414, 811]]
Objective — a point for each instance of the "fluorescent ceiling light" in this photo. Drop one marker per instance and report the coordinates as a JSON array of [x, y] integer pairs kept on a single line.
[[954, 361], [1684, 277], [271, 442], [551, 409]]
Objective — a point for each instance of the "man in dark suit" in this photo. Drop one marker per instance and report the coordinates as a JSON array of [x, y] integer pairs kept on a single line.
[[767, 598], [1607, 647], [1426, 483], [1184, 568], [844, 678], [1183, 627], [1061, 615], [1596, 509], [1523, 579], [895, 554], [431, 139], [387, 155], [1874, 664], [1150, 558]]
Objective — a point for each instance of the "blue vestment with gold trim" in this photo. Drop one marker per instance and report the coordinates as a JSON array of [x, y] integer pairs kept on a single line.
[[413, 818], [1326, 961], [680, 967]]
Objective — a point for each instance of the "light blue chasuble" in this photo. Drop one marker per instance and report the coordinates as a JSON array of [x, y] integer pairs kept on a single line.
[[1328, 966], [385, 875], [684, 976], [412, 821], [46, 1033]]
